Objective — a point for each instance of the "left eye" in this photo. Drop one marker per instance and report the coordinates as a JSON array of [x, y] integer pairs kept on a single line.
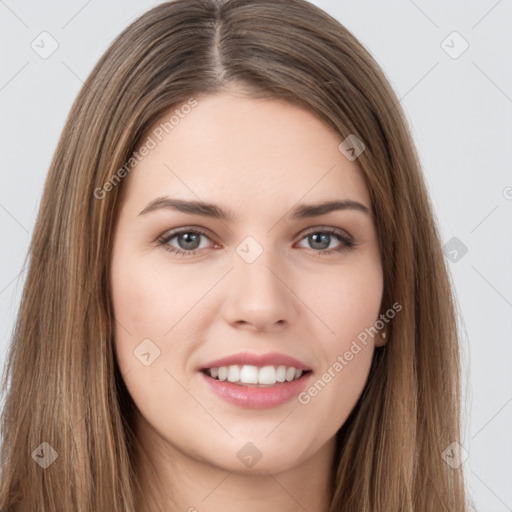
[[189, 241], [320, 239]]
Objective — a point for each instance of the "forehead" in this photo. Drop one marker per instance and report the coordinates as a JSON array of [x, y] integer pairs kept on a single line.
[[233, 149]]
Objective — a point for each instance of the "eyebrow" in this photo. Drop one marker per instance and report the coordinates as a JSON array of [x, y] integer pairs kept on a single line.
[[301, 211]]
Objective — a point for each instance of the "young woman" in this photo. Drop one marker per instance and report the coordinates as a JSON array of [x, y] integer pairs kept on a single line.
[[236, 295]]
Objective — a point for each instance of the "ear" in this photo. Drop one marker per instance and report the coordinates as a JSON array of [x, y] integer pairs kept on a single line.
[[382, 338]]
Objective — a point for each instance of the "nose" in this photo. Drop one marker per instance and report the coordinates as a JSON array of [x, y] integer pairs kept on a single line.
[[260, 296]]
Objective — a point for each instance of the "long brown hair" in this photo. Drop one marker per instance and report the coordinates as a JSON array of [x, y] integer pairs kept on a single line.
[[62, 384]]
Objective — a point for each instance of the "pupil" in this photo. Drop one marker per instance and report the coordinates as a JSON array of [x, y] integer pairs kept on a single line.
[[323, 243], [189, 239]]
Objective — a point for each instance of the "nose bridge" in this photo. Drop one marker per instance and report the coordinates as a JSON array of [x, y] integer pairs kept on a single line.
[[258, 294], [257, 264]]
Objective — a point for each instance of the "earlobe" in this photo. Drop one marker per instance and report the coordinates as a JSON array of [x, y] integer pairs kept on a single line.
[[382, 339]]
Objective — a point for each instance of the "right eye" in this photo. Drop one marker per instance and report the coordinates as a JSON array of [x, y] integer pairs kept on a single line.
[[188, 237]]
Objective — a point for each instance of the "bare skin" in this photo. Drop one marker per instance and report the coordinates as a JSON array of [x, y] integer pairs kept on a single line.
[[260, 159]]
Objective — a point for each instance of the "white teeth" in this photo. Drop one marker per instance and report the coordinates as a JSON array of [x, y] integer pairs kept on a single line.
[[290, 374], [223, 372], [249, 374], [281, 373], [233, 373], [267, 375]]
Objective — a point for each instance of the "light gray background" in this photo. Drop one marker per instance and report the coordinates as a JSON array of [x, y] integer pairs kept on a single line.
[[460, 110]]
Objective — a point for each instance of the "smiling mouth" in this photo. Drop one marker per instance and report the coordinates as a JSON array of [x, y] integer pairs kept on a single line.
[[254, 376]]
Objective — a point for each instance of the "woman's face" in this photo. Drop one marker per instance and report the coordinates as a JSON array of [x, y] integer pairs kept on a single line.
[[266, 282]]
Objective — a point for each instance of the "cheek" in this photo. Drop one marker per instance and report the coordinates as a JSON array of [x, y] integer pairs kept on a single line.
[[149, 309], [141, 310], [148, 300], [348, 308], [346, 299], [156, 312]]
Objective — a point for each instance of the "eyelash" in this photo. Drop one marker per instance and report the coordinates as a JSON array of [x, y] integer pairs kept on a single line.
[[348, 244]]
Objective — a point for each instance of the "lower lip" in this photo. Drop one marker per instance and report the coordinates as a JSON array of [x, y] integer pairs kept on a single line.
[[256, 397]]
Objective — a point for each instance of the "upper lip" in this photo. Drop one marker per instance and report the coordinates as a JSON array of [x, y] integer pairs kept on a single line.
[[247, 358]]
